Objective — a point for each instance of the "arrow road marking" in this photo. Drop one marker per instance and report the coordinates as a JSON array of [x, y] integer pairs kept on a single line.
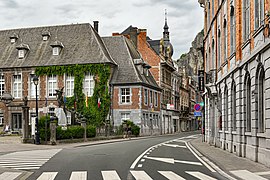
[[172, 161], [174, 145]]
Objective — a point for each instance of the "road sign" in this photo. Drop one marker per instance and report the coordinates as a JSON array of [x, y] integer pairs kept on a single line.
[[197, 107], [197, 113]]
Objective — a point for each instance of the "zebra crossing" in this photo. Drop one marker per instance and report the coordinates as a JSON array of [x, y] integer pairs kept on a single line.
[[110, 175], [27, 160]]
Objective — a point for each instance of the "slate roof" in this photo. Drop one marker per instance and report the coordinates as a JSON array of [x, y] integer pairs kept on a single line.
[[124, 53], [81, 45], [155, 45]]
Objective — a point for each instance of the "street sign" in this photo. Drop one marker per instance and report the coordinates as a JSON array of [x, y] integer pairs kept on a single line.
[[197, 107], [197, 113]]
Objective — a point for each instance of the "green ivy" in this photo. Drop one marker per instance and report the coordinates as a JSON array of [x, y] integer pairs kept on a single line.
[[95, 116]]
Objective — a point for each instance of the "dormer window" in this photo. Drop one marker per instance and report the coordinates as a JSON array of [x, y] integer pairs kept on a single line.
[[46, 35], [22, 50], [13, 38], [57, 47]]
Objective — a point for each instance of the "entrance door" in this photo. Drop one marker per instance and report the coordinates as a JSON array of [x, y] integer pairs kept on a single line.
[[16, 121]]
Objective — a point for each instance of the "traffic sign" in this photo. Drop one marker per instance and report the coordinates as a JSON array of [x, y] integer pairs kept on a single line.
[[197, 113], [197, 107]]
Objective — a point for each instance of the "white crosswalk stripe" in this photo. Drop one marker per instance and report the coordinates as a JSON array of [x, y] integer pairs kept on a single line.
[[171, 175], [200, 175], [27, 160], [110, 175], [247, 175], [78, 175], [47, 176], [140, 175], [9, 175]]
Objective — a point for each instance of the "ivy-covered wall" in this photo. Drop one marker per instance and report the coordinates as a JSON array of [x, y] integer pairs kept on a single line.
[[94, 114]]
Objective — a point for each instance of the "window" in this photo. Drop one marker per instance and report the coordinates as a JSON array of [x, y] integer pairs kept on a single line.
[[219, 49], [125, 95], [33, 87], [45, 38], [156, 99], [21, 53], [89, 84], [232, 30], [52, 85], [259, 13], [246, 19], [17, 86], [125, 116], [16, 121], [233, 113], [213, 55], [145, 96], [151, 98], [69, 85], [208, 14], [226, 114], [2, 84], [1, 119], [225, 39], [261, 101], [13, 40], [248, 104], [55, 51], [213, 9]]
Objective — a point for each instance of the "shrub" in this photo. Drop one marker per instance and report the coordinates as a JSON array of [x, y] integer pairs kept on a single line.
[[135, 130], [90, 131]]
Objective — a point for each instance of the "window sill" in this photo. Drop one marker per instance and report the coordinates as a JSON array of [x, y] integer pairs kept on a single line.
[[263, 135], [234, 132], [248, 134], [226, 132], [257, 31], [125, 103], [247, 42]]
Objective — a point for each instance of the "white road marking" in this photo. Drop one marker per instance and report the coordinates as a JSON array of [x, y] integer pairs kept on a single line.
[[140, 165], [10, 175], [142, 160], [78, 175], [247, 175], [140, 175], [200, 175], [172, 161], [110, 175], [171, 175], [174, 145], [263, 173], [47, 176]]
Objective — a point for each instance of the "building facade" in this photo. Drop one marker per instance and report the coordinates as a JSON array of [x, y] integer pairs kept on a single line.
[[236, 53]]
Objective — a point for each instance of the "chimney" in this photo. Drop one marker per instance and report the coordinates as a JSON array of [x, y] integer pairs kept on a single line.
[[96, 25], [133, 35]]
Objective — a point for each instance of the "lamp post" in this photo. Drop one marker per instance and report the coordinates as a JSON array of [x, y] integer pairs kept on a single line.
[[37, 140]]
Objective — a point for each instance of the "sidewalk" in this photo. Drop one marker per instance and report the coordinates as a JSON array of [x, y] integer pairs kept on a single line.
[[222, 161]]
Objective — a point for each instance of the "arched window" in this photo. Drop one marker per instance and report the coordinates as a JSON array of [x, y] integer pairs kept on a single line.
[[226, 112], [261, 100], [247, 104], [232, 30], [233, 104]]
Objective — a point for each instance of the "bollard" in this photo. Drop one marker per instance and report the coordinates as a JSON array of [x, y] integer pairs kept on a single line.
[[53, 133]]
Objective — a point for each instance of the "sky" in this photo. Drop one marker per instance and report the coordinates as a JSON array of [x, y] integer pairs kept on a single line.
[[185, 17]]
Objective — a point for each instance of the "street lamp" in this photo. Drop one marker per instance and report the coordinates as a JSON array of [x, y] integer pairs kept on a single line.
[[37, 140]]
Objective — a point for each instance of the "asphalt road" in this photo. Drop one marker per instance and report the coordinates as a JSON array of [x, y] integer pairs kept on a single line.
[[150, 158]]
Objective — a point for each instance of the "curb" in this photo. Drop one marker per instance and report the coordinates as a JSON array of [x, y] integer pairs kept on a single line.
[[209, 164]]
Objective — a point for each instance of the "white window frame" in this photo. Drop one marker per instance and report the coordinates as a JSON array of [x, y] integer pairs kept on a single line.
[[69, 85], [17, 86], [33, 87], [21, 53], [2, 84], [151, 98], [125, 97], [51, 86], [246, 19], [88, 84], [2, 119], [125, 116], [156, 99], [146, 96], [56, 51]]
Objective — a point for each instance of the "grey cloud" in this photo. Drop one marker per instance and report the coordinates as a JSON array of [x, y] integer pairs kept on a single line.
[[10, 4]]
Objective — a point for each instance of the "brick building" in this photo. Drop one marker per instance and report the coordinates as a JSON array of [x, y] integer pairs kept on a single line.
[[236, 53], [158, 54], [136, 95]]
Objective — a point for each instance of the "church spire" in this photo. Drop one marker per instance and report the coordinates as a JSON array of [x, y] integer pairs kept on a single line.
[[166, 28]]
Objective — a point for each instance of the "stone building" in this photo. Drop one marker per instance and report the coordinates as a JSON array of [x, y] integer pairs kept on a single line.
[[236, 53], [158, 54], [136, 95], [23, 50]]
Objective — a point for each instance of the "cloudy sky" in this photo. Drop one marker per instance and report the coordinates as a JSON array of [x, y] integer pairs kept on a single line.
[[185, 17]]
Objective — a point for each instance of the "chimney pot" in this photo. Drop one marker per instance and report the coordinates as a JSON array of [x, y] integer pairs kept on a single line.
[[96, 25]]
